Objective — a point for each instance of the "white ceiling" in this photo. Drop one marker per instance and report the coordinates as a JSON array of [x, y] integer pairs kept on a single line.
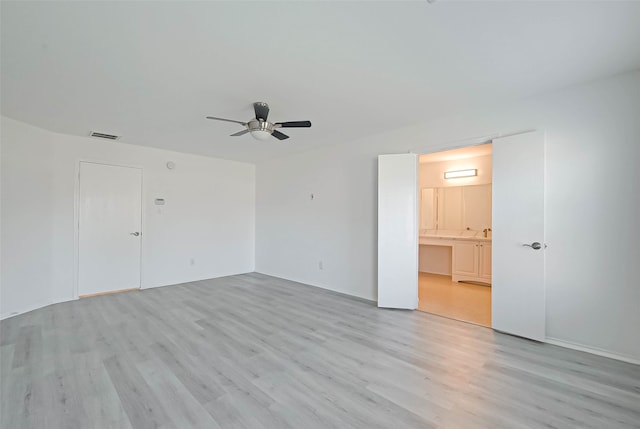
[[456, 154], [151, 71]]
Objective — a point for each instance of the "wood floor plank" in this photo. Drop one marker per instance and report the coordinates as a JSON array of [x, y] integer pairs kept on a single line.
[[138, 399], [100, 400], [14, 398], [254, 351], [176, 400], [55, 401], [28, 349], [192, 373]]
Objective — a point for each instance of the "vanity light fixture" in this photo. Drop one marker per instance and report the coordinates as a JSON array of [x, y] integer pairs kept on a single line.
[[460, 173]]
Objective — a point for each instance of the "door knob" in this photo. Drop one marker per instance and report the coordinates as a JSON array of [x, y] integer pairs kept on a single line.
[[535, 245], [135, 233]]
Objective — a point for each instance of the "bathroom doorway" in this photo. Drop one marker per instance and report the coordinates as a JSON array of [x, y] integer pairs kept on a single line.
[[455, 234]]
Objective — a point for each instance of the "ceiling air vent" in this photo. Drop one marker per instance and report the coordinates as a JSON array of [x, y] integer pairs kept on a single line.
[[104, 136]]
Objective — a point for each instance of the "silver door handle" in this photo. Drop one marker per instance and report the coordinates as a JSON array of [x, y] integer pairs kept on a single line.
[[535, 245], [135, 233]]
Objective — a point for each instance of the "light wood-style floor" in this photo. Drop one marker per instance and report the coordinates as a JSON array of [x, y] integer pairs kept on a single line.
[[253, 351], [461, 301]]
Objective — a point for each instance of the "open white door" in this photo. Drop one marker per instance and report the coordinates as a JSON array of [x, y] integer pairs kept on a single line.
[[518, 293], [398, 231]]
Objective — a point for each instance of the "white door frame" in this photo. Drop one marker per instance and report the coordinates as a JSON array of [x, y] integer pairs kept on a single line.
[[76, 218]]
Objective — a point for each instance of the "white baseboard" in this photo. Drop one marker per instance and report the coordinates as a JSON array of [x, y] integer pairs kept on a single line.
[[36, 306], [42, 304], [308, 283], [434, 272], [592, 350], [26, 309], [194, 279]]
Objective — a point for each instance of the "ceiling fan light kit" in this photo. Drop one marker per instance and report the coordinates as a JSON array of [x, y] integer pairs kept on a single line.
[[260, 134], [260, 128]]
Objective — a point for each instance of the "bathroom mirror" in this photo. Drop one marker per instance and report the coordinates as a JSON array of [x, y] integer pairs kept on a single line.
[[456, 208]]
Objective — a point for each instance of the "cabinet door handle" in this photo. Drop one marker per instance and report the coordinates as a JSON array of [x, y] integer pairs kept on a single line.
[[535, 245]]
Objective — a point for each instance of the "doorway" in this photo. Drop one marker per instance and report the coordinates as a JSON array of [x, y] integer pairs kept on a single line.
[[517, 242], [455, 233], [109, 228]]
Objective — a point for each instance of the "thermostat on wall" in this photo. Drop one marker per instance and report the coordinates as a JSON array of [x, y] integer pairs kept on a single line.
[[159, 201]]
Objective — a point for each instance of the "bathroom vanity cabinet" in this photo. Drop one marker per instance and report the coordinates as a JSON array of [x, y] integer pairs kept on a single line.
[[471, 261], [470, 256]]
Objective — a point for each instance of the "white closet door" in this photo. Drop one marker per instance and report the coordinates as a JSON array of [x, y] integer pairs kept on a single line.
[[398, 231], [518, 290], [110, 233]]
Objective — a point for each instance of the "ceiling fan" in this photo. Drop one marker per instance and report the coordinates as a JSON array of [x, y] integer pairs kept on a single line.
[[260, 128]]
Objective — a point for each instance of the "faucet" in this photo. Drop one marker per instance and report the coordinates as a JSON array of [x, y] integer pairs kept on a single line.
[[486, 231]]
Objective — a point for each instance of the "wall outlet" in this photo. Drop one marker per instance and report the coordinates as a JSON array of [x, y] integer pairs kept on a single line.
[[320, 265], [192, 261]]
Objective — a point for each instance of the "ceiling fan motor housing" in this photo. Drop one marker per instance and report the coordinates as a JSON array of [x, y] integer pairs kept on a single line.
[[256, 125]]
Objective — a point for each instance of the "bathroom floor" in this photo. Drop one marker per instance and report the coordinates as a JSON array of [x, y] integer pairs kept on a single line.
[[462, 301]]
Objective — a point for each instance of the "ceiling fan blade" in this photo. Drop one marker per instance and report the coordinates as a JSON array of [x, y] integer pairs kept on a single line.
[[262, 110], [294, 124], [227, 120], [280, 136], [239, 133]]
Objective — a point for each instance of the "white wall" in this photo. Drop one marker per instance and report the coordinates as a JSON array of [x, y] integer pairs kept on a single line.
[[592, 207], [209, 214], [27, 208]]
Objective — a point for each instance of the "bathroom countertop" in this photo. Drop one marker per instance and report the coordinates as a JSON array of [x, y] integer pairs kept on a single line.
[[478, 236]]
